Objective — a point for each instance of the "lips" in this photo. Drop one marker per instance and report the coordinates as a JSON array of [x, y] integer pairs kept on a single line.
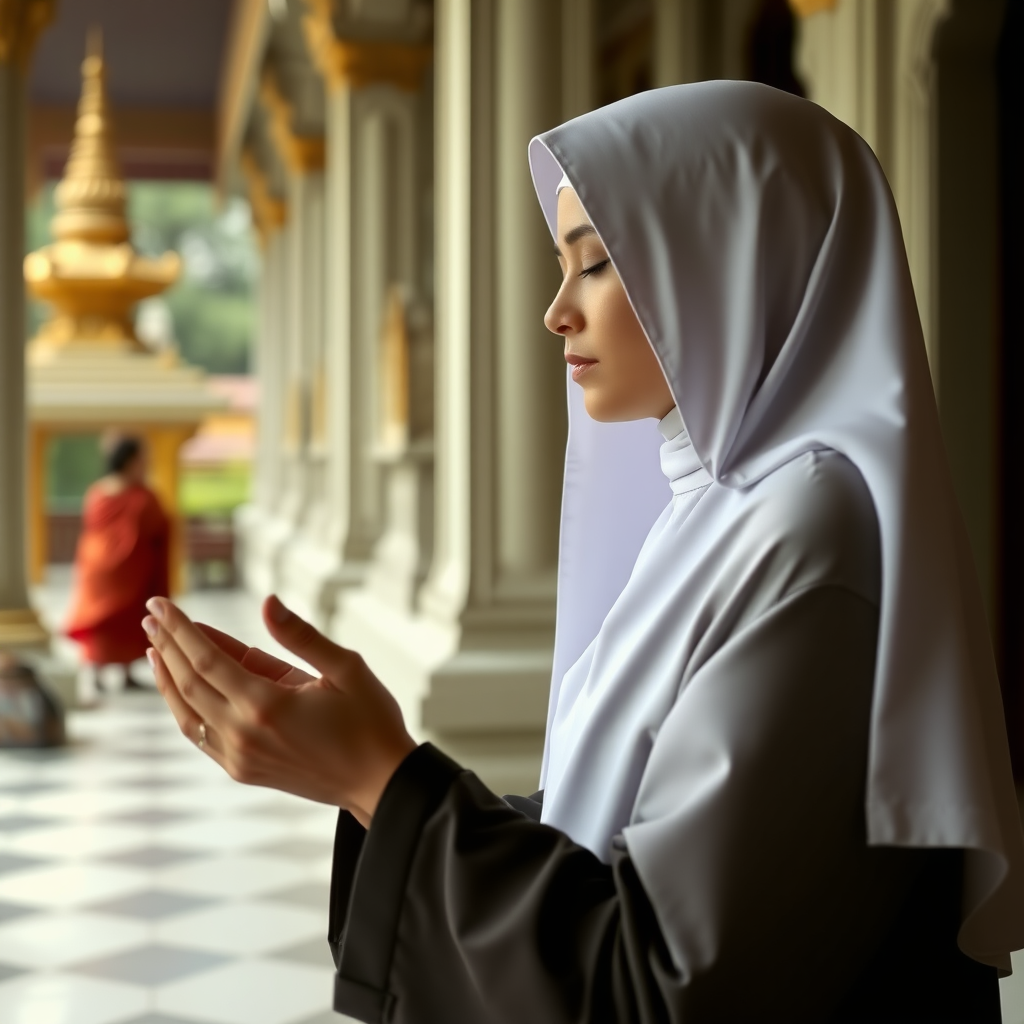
[[579, 364]]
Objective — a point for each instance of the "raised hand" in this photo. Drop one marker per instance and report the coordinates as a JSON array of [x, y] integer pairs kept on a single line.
[[336, 739]]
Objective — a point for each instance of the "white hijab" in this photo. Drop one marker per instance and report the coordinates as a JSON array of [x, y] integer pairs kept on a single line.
[[759, 245]]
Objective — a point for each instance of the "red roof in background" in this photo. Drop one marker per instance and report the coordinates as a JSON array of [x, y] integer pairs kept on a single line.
[[241, 390]]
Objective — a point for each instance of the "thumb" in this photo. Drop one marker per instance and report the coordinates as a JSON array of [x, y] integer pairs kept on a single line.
[[301, 638]]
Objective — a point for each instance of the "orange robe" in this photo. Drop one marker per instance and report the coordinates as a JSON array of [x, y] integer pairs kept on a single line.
[[122, 560]]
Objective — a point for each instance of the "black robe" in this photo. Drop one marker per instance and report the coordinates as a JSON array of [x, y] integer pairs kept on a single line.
[[459, 907]]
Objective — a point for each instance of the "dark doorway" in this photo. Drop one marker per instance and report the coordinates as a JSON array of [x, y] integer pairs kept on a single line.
[[770, 50], [1010, 76]]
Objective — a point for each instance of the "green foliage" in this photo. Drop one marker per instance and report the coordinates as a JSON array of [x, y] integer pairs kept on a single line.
[[211, 308], [73, 462], [211, 492]]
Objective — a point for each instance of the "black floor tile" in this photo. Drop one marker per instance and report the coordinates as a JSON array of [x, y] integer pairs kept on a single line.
[[152, 904], [152, 856], [16, 862], [150, 965]]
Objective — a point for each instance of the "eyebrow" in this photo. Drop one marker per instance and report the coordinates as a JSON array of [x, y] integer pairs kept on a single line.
[[575, 234], [578, 232]]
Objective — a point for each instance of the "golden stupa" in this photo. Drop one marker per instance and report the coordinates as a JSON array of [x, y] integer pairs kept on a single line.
[[91, 274], [87, 371]]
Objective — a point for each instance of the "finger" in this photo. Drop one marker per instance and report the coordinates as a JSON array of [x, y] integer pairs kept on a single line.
[[217, 669], [208, 703], [227, 643], [301, 638], [267, 665], [188, 721], [256, 661]]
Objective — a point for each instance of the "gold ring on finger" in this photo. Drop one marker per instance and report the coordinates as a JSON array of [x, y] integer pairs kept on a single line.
[[201, 742]]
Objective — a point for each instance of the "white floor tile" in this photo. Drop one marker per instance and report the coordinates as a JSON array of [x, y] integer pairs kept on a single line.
[[70, 885], [84, 803], [75, 842], [249, 992], [232, 876], [68, 999], [321, 868], [214, 794], [1011, 991], [245, 929], [226, 832], [56, 940]]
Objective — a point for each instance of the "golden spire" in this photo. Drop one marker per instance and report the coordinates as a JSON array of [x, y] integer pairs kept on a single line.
[[90, 198], [91, 274]]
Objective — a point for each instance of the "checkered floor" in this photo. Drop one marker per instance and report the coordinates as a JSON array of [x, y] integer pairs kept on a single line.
[[139, 885]]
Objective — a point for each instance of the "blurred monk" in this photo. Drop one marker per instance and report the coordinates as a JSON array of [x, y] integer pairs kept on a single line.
[[122, 560]]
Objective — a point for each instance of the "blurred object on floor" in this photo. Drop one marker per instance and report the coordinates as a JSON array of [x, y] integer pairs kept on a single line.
[[30, 716]]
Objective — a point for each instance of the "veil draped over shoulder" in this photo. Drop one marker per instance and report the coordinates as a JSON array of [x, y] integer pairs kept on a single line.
[[759, 244]]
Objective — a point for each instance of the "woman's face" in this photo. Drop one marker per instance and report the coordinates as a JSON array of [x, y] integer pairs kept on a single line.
[[611, 358]]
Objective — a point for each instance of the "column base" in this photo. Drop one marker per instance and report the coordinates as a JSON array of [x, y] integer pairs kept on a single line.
[[22, 628], [310, 577], [262, 539], [488, 710], [486, 707]]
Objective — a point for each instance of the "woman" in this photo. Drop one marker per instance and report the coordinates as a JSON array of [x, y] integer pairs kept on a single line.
[[122, 559], [775, 784]]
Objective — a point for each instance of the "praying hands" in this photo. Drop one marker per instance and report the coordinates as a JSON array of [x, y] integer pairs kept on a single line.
[[336, 738]]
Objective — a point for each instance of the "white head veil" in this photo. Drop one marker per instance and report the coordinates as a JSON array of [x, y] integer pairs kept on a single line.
[[758, 242]]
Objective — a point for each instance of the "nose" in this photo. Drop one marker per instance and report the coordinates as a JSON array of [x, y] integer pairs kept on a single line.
[[563, 317]]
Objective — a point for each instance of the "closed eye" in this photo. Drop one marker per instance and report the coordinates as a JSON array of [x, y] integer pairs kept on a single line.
[[596, 268]]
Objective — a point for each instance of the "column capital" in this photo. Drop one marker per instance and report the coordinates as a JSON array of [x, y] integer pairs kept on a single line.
[[21, 23], [359, 62], [300, 154], [805, 8], [268, 211]]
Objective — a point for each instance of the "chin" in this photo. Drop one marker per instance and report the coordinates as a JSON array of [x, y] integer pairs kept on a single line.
[[607, 408]]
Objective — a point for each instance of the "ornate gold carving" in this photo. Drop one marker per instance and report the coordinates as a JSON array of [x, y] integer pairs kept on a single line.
[[359, 62], [21, 24], [318, 409], [300, 153], [805, 8], [91, 274], [394, 374], [268, 212]]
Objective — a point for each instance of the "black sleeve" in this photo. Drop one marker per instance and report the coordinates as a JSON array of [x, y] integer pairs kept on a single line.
[[455, 908], [418, 938]]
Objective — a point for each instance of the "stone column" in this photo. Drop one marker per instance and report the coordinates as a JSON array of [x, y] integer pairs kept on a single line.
[[530, 382], [579, 57], [472, 668], [679, 53], [870, 63], [259, 526], [375, 107], [20, 22]]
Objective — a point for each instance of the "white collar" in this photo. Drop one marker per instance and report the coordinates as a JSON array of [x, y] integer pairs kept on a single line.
[[679, 462]]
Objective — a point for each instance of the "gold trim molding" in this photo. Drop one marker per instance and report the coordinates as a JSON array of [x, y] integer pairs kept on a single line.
[[360, 62], [21, 24], [268, 212], [805, 8], [20, 627], [301, 154]]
